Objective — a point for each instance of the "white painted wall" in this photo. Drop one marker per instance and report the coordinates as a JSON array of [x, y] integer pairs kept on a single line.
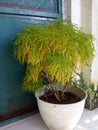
[[76, 11], [94, 75], [85, 14], [66, 9], [81, 14]]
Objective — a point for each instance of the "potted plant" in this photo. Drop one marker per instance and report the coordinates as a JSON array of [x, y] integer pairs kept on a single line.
[[52, 53], [91, 90]]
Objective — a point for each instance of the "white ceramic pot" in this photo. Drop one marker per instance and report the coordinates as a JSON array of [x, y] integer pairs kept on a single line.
[[62, 116]]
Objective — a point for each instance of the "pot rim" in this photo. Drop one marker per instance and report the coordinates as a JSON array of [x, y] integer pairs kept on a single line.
[[39, 93]]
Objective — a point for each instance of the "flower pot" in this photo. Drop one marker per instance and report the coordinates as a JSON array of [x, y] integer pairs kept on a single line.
[[92, 103], [62, 116]]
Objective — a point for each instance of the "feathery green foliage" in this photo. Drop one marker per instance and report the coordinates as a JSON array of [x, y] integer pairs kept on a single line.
[[52, 51]]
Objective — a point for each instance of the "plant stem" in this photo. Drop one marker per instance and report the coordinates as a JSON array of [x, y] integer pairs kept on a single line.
[[57, 97], [65, 86], [62, 95]]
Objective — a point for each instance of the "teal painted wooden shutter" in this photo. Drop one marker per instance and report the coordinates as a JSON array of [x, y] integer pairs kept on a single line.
[[14, 14]]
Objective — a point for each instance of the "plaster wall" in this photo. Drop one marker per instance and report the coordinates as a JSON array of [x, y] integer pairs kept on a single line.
[[76, 11], [84, 13], [86, 24], [94, 74], [66, 9]]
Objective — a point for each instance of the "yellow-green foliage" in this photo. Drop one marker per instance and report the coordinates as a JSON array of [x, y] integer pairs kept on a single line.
[[58, 49]]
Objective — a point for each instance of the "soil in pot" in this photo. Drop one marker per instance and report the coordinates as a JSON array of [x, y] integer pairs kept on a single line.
[[68, 98]]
